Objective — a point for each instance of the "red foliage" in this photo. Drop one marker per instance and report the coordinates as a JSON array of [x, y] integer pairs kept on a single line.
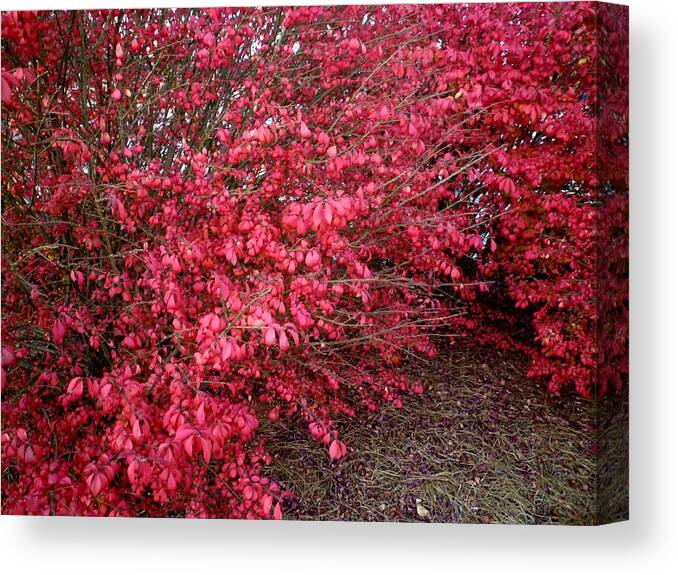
[[215, 216]]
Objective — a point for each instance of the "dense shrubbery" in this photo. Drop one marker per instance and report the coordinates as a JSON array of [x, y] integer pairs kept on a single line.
[[215, 216]]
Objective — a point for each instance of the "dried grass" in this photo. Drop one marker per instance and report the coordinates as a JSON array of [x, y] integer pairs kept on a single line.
[[484, 445]]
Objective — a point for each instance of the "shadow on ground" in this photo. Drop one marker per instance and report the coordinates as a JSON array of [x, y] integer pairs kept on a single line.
[[483, 445]]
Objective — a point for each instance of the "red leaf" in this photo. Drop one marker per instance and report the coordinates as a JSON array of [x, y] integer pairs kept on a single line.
[[188, 445], [266, 503]]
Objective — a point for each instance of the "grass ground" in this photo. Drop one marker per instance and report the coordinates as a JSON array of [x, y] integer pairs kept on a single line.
[[483, 445]]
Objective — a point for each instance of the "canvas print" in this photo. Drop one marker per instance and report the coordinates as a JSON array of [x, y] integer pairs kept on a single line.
[[344, 263]]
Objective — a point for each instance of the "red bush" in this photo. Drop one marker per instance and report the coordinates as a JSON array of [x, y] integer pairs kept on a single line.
[[214, 216]]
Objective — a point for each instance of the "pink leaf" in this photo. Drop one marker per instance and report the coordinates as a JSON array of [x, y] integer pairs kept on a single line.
[[6, 91], [284, 343], [183, 432], [188, 445], [136, 430], [337, 450], [58, 332], [269, 338], [200, 414], [206, 449], [95, 485], [131, 471], [328, 213], [8, 357]]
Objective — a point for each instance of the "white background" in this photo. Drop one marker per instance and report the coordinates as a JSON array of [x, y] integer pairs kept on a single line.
[[647, 543]]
